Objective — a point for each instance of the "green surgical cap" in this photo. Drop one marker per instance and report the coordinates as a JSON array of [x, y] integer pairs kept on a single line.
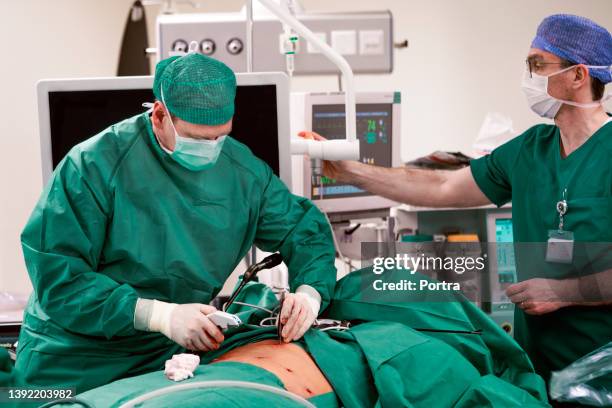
[[196, 88]]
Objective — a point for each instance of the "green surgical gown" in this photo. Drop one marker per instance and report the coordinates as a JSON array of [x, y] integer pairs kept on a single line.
[[530, 171], [381, 361], [119, 220]]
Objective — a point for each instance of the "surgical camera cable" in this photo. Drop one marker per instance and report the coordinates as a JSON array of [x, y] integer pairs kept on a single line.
[[251, 305], [264, 322], [273, 318]]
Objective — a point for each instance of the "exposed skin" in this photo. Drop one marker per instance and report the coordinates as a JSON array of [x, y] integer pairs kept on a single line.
[[162, 127], [432, 188], [576, 124], [289, 362], [437, 188], [296, 315]]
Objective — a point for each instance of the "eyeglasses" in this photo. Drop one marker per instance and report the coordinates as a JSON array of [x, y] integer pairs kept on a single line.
[[535, 66]]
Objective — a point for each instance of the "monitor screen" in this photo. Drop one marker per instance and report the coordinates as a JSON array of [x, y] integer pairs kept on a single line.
[[506, 266], [374, 131], [78, 115]]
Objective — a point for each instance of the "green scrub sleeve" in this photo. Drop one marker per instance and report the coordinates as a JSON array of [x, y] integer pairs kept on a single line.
[[62, 245], [295, 227], [493, 172]]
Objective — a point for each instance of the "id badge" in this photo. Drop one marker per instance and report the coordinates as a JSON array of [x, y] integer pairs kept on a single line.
[[560, 247]]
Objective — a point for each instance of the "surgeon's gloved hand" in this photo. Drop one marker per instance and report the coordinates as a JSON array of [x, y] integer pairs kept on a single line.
[[299, 312], [186, 324]]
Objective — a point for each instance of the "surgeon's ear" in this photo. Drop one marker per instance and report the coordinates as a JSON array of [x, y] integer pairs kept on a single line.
[[230, 125], [581, 76], [158, 115]]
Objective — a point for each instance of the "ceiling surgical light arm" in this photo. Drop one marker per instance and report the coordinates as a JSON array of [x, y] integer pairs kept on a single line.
[[289, 40], [249, 35], [333, 149]]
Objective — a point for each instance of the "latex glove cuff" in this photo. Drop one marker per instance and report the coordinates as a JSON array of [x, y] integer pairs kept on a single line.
[[153, 315]]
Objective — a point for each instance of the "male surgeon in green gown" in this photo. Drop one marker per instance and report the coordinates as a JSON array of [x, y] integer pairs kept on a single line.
[[558, 177], [139, 228]]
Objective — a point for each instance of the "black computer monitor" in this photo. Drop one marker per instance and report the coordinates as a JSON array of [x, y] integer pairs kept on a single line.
[[72, 111]]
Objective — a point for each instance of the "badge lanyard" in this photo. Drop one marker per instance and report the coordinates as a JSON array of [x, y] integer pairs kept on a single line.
[[560, 246], [562, 209]]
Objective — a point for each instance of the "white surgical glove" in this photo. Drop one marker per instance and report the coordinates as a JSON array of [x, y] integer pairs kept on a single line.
[[186, 325], [299, 312]]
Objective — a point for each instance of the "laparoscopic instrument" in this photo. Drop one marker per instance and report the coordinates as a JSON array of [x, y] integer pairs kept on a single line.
[[225, 320]]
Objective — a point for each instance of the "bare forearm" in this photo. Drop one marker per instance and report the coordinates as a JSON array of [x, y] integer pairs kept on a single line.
[[431, 188], [411, 186], [590, 290]]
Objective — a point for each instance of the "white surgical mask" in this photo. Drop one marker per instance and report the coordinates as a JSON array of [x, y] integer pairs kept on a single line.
[[535, 88]]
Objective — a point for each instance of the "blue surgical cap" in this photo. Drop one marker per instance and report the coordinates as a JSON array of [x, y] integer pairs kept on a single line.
[[578, 40]]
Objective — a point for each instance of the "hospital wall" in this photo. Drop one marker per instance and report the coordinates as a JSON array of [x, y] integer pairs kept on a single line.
[[465, 59]]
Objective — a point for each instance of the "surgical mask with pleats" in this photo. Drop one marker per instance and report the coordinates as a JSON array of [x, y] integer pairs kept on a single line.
[[194, 154], [198, 154], [535, 88]]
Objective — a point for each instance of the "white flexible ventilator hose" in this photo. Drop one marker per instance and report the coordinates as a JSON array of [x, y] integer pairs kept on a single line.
[[217, 384]]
